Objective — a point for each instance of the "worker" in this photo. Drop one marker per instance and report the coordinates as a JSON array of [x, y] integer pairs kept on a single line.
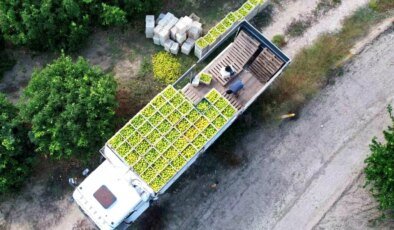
[[235, 87]]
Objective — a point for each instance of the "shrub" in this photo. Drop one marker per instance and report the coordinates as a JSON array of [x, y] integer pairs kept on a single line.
[[112, 15], [70, 107], [15, 157], [279, 40], [380, 168], [166, 67]]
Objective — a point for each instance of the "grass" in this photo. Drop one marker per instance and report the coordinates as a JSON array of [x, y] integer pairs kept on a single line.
[[311, 68], [145, 68], [297, 27], [324, 6]]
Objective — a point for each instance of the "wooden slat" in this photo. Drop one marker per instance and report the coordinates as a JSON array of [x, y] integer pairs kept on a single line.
[[241, 50], [265, 65]]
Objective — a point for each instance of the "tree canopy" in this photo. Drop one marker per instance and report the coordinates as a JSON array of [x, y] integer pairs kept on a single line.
[[47, 24], [15, 157], [380, 168], [70, 106]]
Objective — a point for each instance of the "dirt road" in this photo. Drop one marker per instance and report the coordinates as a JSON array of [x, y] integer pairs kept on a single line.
[[294, 172]]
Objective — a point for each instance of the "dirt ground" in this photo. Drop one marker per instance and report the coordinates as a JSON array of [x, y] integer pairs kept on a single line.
[[122, 53], [289, 178]]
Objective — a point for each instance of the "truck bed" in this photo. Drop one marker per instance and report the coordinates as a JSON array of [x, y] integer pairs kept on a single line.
[[146, 145]]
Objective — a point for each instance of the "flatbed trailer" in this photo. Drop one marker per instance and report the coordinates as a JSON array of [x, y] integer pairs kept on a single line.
[[143, 159]]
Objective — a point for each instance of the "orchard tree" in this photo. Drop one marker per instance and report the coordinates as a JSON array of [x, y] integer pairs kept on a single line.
[[70, 106], [380, 168], [55, 25], [45, 24], [15, 154]]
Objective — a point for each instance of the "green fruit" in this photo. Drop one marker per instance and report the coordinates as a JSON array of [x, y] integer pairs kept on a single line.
[[178, 163], [155, 119], [185, 108], [148, 111], [173, 135], [202, 43], [211, 114], [180, 144], [177, 100], [115, 141], [148, 175], [203, 105], [191, 133], [219, 122], [123, 149], [132, 157], [229, 112], [145, 128], [213, 95], [164, 127], [171, 153], [221, 104], [162, 145], [210, 132], [206, 78], [202, 123], [189, 152], [127, 131], [166, 109], [183, 125], [134, 139], [193, 116], [151, 156], [153, 136], [169, 92], [142, 148], [137, 120], [199, 142], [158, 101], [140, 167], [174, 117]]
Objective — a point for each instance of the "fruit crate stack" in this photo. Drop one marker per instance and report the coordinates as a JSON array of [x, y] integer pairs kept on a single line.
[[174, 34], [247, 11], [168, 132]]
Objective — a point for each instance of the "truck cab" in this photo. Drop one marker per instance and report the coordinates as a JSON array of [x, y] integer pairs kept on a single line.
[[111, 195]]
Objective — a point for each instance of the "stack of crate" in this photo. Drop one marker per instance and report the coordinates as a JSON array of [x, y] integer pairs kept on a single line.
[[172, 33], [149, 26]]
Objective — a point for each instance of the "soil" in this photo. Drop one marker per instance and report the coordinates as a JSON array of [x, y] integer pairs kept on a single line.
[[41, 205]]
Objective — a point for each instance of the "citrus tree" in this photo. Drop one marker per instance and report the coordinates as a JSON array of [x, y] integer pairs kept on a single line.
[[15, 157], [380, 168], [70, 106], [55, 25]]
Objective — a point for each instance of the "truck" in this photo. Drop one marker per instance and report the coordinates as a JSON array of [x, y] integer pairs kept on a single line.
[[145, 157]]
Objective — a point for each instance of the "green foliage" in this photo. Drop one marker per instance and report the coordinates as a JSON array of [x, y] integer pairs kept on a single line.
[[112, 15], [15, 158], [166, 67], [54, 25], [70, 107], [380, 168], [45, 24], [279, 40]]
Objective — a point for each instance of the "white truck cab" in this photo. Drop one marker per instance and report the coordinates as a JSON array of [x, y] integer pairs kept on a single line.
[[112, 194]]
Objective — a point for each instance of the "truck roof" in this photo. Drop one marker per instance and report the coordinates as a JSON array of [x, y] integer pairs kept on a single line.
[[176, 125]]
